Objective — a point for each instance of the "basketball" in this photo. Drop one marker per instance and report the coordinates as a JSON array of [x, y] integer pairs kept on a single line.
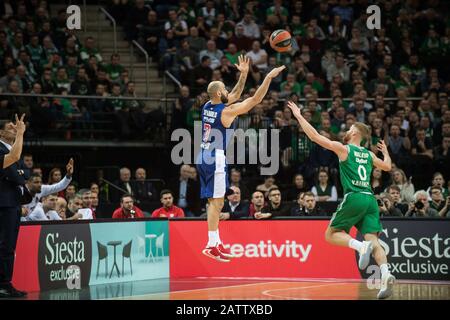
[[280, 40]]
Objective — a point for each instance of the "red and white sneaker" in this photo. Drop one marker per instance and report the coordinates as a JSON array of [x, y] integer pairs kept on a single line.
[[214, 253], [225, 251]]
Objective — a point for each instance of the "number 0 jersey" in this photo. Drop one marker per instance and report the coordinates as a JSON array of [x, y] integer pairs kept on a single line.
[[356, 170]]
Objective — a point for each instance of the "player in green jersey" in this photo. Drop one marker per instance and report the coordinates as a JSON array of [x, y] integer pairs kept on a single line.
[[359, 207]]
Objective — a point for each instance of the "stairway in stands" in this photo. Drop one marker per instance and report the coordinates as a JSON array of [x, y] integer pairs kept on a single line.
[[105, 40]]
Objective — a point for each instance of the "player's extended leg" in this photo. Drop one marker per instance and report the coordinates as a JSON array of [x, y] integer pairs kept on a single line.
[[214, 246], [387, 279], [215, 206], [341, 238]]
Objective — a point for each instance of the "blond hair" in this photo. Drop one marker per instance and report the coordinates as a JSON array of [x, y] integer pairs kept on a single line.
[[363, 129]]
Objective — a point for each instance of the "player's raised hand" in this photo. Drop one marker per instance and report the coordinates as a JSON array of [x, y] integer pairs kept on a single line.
[[19, 126], [381, 146], [295, 109], [275, 72], [69, 168], [244, 64]]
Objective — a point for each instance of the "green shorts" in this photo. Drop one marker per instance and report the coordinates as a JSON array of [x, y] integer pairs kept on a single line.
[[359, 210]]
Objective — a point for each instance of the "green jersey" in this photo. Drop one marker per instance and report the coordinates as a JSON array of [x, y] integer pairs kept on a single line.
[[356, 170]]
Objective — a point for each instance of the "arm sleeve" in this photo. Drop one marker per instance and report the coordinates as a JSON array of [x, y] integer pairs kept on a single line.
[[2, 158], [333, 194], [57, 187]]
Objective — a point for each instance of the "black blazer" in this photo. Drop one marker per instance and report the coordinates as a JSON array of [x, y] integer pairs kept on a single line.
[[241, 211], [11, 179], [192, 194]]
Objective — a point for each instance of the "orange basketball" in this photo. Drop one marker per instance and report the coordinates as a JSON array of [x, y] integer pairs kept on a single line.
[[280, 40]]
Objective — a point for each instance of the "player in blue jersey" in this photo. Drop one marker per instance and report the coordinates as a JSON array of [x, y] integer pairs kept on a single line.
[[218, 115]]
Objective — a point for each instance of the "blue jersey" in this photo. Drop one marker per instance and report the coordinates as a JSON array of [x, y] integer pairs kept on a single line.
[[211, 161], [212, 127]]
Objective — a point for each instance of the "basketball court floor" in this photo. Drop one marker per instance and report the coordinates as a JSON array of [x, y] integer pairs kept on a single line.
[[247, 289]]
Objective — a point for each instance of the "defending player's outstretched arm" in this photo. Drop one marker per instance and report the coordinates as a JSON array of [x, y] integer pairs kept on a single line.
[[243, 66], [232, 111], [335, 146], [386, 163]]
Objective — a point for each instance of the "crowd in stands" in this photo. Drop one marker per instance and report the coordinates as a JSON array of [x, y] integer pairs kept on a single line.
[[396, 79], [60, 198], [40, 55]]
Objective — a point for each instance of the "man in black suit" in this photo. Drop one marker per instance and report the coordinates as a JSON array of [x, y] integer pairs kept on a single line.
[[124, 183], [234, 208], [186, 189], [11, 198], [143, 190]]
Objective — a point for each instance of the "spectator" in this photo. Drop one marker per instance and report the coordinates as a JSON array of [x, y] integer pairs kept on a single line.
[[251, 29], [236, 180], [74, 204], [71, 190], [89, 50], [114, 69], [127, 209], [234, 207], [442, 156], [212, 53], [45, 210], [394, 192], [324, 190], [61, 208], [202, 75], [178, 26], [387, 207], [306, 206], [94, 204], [150, 34], [196, 43], [209, 13], [405, 185], [299, 186], [438, 201], [445, 212], [378, 184], [135, 19], [338, 67], [421, 207], [258, 56], [180, 108], [257, 203], [439, 182], [242, 42], [38, 190], [168, 209], [269, 183], [398, 145], [85, 209], [143, 190], [275, 208], [186, 191], [124, 184]]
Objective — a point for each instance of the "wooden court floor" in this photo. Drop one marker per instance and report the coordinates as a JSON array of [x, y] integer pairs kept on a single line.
[[221, 289]]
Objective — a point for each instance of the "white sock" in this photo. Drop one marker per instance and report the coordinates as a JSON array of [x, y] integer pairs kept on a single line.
[[218, 237], [355, 244], [384, 269], [212, 238]]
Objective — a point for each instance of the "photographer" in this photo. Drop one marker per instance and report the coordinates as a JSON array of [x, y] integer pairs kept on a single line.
[[386, 206], [445, 212], [394, 192], [421, 207]]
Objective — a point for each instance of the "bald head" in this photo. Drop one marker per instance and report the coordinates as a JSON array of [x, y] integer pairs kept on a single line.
[[217, 92]]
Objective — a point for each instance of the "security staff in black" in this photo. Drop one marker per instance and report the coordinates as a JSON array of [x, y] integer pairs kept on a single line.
[[12, 195]]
